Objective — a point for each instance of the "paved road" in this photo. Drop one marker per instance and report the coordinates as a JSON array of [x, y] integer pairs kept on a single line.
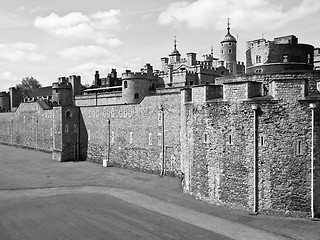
[[44, 199], [89, 216]]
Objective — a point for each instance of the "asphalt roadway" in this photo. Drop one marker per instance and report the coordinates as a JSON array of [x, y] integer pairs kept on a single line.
[[44, 199]]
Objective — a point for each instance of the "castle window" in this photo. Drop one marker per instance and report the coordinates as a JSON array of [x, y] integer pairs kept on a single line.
[[125, 84], [222, 51], [136, 95], [229, 43], [261, 141], [258, 59], [150, 139], [285, 58], [75, 128], [308, 58], [299, 147], [159, 118], [205, 137], [68, 114], [112, 136], [191, 83], [229, 50], [159, 139]]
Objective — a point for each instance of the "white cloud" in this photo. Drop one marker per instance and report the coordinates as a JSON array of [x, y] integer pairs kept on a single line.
[[80, 52], [245, 13], [7, 80], [10, 20], [76, 25], [20, 51], [107, 20]]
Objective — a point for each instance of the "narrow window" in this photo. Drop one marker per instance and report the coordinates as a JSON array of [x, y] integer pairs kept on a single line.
[[308, 58], [299, 147], [150, 139], [230, 139], [131, 138], [112, 136], [136, 95], [261, 141], [285, 58], [229, 50], [222, 51], [75, 128], [205, 138], [160, 118], [258, 59], [159, 139], [125, 84]]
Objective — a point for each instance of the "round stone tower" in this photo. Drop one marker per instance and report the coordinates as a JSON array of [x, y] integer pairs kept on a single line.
[[4, 101], [228, 51], [134, 87]]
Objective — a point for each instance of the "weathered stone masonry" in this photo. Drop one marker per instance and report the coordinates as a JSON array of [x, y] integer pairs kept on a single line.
[[135, 133], [218, 149]]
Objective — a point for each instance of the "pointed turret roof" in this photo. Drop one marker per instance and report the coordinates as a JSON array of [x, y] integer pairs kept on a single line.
[[228, 37], [175, 51]]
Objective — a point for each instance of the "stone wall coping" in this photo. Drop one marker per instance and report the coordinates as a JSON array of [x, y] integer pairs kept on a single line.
[[241, 82], [288, 79]]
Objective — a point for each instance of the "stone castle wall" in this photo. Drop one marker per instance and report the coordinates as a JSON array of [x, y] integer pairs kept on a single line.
[[30, 126], [208, 138], [135, 133], [51, 130], [218, 146]]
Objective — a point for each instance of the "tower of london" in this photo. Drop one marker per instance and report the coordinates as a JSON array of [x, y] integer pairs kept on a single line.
[[242, 136]]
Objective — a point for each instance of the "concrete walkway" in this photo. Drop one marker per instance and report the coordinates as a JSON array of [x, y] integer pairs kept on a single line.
[[26, 173]]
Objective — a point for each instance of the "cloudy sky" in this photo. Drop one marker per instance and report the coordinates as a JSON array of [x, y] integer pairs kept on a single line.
[[47, 39]]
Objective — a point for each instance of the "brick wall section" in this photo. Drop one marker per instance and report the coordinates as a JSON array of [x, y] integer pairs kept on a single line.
[[288, 89], [268, 78], [235, 91], [317, 161], [30, 126], [140, 120], [221, 169], [98, 99]]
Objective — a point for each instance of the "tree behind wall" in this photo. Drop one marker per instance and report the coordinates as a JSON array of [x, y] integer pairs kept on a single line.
[[28, 85]]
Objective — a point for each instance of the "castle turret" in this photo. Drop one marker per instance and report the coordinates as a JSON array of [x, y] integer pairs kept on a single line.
[[228, 53], [62, 92], [15, 97], [175, 55], [97, 80], [4, 101], [135, 86]]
